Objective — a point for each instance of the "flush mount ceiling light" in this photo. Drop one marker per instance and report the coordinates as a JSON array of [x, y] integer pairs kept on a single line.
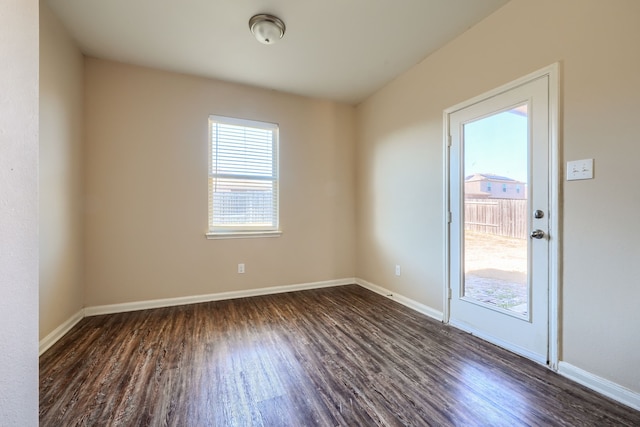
[[267, 29]]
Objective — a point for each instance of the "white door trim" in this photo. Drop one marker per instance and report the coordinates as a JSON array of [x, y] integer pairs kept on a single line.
[[552, 71]]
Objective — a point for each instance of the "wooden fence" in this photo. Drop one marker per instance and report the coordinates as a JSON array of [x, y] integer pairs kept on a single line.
[[503, 217]]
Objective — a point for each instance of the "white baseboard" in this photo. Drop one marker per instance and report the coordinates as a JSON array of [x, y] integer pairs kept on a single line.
[[601, 385], [169, 302], [59, 332], [408, 302]]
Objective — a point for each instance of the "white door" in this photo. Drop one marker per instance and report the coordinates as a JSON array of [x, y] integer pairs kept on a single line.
[[500, 208]]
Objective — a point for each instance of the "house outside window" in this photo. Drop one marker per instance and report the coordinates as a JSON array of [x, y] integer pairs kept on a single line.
[[243, 178], [491, 186]]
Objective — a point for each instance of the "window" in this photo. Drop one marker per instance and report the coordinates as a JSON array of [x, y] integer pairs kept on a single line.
[[489, 187], [504, 188], [243, 178]]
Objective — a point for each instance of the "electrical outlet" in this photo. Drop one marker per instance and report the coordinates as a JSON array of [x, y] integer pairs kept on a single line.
[[241, 268], [397, 269]]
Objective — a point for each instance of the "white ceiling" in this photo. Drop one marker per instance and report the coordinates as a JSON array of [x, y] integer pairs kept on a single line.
[[343, 50]]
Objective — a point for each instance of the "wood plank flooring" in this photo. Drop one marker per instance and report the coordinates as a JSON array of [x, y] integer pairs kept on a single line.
[[339, 356]]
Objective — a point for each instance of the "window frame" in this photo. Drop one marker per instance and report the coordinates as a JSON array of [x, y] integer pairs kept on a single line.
[[244, 230]]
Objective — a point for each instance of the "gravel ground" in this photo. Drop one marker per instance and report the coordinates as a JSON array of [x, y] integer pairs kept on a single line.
[[496, 270]]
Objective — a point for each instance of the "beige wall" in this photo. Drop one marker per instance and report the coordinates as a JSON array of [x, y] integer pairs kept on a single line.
[[61, 215], [146, 188], [400, 166], [19, 212]]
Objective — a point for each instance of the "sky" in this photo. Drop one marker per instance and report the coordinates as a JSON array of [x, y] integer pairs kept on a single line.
[[497, 145]]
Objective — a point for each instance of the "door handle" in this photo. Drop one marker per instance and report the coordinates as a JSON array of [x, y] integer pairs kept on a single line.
[[537, 234]]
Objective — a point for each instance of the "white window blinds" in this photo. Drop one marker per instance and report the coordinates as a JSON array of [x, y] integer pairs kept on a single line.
[[243, 175]]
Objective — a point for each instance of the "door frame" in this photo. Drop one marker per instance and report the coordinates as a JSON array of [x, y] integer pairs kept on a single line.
[[555, 238]]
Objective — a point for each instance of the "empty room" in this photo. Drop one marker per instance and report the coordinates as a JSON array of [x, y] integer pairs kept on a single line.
[[287, 213]]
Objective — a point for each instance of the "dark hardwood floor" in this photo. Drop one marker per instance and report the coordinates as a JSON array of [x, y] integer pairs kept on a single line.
[[339, 356]]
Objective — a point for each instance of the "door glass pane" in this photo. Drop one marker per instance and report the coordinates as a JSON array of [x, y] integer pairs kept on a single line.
[[495, 210]]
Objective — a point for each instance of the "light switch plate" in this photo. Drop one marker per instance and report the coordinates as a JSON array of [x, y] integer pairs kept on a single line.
[[580, 169]]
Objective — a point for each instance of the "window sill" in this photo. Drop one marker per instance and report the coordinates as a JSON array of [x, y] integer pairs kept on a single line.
[[242, 234]]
